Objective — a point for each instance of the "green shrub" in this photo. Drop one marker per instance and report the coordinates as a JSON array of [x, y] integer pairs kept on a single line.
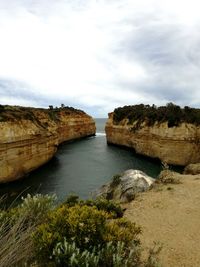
[[122, 230], [16, 113], [2, 108], [71, 200], [171, 113], [35, 208], [68, 254], [115, 255], [77, 233], [100, 203], [115, 180], [84, 225], [106, 205]]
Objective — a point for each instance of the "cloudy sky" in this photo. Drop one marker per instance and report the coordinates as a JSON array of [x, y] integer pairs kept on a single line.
[[99, 54]]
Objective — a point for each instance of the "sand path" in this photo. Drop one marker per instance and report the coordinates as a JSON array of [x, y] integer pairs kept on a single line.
[[170, 214]]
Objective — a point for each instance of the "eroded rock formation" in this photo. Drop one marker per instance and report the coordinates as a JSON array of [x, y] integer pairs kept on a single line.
[[178, 145], [192, 169], [29, 137], [124, 187]]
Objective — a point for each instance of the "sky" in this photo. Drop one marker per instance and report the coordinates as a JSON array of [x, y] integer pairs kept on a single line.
[[97, 55]]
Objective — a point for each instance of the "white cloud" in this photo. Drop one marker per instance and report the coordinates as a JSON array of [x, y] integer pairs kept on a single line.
[[100, 53], [18, 101]]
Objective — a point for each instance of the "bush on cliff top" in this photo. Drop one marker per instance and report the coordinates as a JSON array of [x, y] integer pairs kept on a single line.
[[75, 233], [170, 113], [15, 113]]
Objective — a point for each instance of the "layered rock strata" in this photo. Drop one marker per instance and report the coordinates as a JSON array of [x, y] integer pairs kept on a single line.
[[29, 137], [178, 145]]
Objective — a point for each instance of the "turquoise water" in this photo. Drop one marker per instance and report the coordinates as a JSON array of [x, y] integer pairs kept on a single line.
[[80, 167]]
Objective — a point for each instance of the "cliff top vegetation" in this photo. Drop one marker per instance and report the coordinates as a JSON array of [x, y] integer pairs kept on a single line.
[[13, 113], [171, 113]]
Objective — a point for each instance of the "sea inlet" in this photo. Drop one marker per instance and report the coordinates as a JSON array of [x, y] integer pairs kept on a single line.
[[80, 167]]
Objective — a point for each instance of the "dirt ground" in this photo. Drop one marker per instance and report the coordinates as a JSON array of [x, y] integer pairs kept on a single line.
[[170, 215]]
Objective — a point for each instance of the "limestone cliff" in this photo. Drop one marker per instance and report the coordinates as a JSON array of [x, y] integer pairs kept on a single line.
[[177, 145], [29, 137]]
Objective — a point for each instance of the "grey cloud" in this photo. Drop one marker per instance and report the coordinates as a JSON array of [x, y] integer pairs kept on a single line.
[[19, 90], [169, 54], [167, 51]]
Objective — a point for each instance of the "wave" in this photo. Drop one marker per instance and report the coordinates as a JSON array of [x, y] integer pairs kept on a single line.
[[100, 134]]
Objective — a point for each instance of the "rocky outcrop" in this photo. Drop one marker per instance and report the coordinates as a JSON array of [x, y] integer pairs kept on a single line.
[[168, 177], [123, 188], [192, 169], [29, 137], [178, 145]]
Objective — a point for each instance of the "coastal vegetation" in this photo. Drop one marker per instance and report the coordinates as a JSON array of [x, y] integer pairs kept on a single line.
[[173, 114], [15, 113], [41, 232]]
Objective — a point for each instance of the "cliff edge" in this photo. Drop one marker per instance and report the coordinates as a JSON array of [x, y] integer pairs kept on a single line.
[[29, 137], [169, 133]]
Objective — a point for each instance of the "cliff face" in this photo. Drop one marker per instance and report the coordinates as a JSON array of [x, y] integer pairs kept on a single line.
[[178, 145], [29, 137]]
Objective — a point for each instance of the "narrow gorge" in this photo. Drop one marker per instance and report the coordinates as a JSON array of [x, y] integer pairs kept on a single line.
[[169, 133], [29, 137]]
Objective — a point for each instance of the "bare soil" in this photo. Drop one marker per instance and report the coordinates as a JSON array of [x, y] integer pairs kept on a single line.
[[170, 214]]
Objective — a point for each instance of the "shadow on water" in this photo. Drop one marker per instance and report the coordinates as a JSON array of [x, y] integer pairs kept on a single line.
[[31, 183]]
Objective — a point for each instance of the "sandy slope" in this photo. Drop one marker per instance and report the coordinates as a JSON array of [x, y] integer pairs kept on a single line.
[[170, 214]]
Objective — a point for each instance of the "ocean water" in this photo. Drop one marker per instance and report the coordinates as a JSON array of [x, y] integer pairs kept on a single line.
[[80, 167]]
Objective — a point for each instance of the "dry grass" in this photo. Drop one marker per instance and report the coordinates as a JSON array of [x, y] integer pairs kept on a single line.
[[16, 227], [15, 243]]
